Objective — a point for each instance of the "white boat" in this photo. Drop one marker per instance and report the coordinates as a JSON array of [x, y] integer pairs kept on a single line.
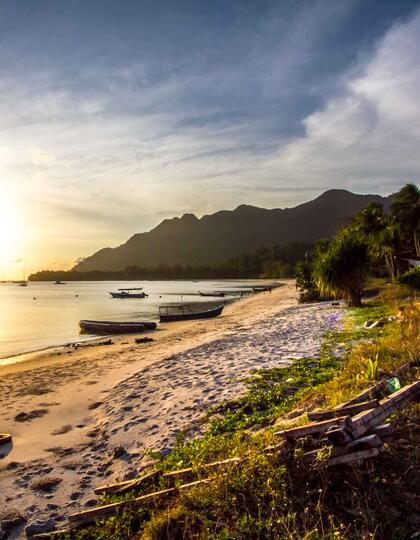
[[129, 293]]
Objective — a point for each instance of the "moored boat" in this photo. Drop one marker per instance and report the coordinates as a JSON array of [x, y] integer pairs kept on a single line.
[[184, 312], [217, 294], [128, 293], [116, 327]]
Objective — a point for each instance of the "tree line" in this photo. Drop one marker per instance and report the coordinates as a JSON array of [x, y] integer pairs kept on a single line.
[[276, 262]]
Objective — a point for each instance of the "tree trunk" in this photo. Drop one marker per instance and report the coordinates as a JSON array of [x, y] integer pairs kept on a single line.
[[416, 243], [354, 299]]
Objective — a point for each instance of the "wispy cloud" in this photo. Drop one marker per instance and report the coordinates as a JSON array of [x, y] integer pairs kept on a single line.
[[267, 106]]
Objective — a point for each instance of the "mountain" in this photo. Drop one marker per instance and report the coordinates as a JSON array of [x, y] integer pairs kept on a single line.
[[214, 238]]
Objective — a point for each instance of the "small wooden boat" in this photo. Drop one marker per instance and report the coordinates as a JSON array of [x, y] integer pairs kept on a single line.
[[184, 312], [128, 293], [116, 327], [217, 294], [58, 282], [262, 288]]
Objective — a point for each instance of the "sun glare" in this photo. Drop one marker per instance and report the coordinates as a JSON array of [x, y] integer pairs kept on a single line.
[[10, 236]]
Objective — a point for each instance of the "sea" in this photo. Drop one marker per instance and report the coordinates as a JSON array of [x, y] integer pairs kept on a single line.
[[44, 314]]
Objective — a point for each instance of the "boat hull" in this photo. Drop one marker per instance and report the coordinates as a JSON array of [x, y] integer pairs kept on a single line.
[[123, 295], [209, 314], [115, 327]]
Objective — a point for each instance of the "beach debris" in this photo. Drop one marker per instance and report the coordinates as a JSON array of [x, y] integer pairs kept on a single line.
[[345, 439], [343, 409], [143, 340], [38, 526]]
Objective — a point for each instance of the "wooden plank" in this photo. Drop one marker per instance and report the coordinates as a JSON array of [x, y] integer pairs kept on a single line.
[[312, 428], [364, 443], [120, 487], [354, 456], [364, 421], [339, 436], [190, 471], [384, 430], [101, 512], [343, 410], [364, 395], [52, 534]]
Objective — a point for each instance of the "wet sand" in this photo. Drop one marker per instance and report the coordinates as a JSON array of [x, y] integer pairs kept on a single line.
[[69, 409]]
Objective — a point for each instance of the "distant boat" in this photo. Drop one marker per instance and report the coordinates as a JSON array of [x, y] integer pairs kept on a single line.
[[116, 327], [58, 282], [218, 294], [22, 283], [127, 293], [184, 312], [262, 288]]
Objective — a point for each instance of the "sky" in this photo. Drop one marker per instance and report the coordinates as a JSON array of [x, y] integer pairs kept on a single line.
[[117, 115]]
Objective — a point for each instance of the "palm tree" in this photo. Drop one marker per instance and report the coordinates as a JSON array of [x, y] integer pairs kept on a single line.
[[389, 247], [405, 211], [342, 270]]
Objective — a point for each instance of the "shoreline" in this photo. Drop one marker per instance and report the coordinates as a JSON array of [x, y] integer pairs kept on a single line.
[[138, 397], [32, 354]]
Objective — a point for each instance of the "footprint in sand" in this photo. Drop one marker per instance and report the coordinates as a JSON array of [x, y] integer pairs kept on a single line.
[[27, 417], [62, 430]]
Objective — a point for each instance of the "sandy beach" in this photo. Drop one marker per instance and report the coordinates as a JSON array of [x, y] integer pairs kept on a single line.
[[69, 409]]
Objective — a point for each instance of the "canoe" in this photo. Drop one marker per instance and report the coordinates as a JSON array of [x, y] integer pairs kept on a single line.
[[115, 327], [262, 289], [218, 294], [184, 313], [123, 294]]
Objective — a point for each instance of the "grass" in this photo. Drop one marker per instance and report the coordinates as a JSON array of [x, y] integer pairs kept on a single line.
[[274, 498]]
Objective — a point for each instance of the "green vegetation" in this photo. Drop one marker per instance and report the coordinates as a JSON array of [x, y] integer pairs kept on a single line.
[[342, 270], [270, 497], [411, 278], [373, 244]]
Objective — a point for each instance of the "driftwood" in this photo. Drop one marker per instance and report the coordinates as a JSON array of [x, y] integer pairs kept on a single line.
[[119, 488], [343, 410], [127, 485], [313, 428], [101, 512]]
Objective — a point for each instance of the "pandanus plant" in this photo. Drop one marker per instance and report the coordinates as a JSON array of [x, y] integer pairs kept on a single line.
[[342, 270]]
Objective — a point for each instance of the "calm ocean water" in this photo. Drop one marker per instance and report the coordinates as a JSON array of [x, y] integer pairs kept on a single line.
[[44, 315]]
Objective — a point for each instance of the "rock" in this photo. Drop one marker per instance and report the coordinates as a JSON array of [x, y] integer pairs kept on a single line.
[[38, 527], [76, 495], [52, 506], [91, 502], [9, 519], [119, 451]]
